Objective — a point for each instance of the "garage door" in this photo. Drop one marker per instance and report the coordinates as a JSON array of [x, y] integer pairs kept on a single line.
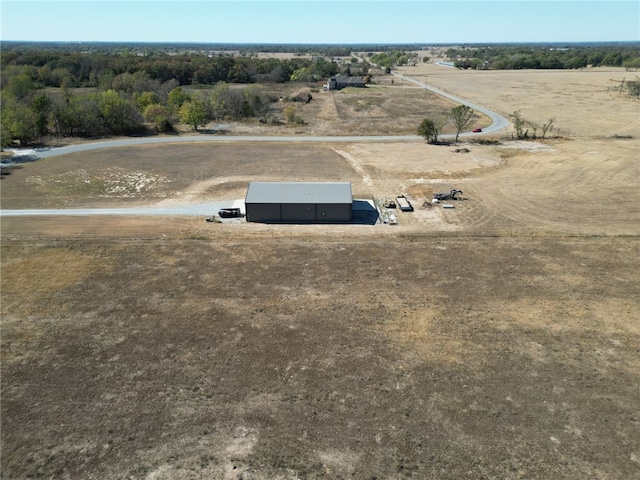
[[263, 212]]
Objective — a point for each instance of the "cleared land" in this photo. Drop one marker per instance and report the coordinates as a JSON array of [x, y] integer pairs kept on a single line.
[[495, 340]]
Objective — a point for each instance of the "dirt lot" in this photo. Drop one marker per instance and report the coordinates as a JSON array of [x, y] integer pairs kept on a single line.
[[498, 339]]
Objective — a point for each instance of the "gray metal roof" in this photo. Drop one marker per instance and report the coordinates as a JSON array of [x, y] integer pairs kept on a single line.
[[299, 192]]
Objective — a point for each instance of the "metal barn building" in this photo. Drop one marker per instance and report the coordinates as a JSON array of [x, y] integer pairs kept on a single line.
[[299, 202]]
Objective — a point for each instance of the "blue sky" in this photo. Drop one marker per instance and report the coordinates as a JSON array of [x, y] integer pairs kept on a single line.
[[309, 21]]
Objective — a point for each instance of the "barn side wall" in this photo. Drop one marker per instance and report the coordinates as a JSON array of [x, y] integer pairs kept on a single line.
[[299, 212], [263, 212], [336, 212]]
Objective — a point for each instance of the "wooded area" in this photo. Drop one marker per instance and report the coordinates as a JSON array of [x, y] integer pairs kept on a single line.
[[510, 57], [72, 93]]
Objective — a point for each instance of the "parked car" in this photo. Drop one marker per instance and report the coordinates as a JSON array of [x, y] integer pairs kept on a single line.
[[229, 213], [476, 130]]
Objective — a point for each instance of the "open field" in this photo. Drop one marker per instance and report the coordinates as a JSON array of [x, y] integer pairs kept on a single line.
[[583, 103], [498, 339], [386, 107]]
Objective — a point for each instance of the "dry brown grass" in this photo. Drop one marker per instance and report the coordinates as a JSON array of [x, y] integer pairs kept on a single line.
[[29, 277], [583, 103]]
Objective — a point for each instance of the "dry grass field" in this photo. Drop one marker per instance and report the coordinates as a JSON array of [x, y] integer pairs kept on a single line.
[[498, 339]]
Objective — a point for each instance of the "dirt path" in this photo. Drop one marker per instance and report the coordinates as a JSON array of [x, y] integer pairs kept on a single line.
[[357, 166]]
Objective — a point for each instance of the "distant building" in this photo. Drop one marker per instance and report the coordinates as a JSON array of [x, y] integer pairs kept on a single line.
[[341, 81], [299, 202]]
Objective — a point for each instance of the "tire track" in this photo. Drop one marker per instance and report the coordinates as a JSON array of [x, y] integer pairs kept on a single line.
[[357, 166]]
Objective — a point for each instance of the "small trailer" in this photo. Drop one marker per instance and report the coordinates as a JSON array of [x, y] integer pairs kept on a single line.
[[404, 204]]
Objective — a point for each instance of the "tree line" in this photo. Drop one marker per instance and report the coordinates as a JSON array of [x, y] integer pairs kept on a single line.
[[69, 93], [245, 49], [391, 58], [74, 69], [516, 57], [462, 116], [134, 103]]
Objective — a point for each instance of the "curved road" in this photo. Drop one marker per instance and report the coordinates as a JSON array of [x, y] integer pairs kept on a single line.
[[498, 123]]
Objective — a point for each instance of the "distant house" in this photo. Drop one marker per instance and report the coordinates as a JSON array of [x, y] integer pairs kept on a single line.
[[341, 81]]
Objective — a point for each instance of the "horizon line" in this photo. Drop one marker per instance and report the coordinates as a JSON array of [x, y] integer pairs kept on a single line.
[[192, 42]]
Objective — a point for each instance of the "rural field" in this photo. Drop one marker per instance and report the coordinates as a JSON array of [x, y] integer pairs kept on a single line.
[[495, 340]]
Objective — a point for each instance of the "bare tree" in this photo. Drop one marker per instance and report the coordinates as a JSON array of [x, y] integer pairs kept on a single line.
[[461, 116], [546, 127]]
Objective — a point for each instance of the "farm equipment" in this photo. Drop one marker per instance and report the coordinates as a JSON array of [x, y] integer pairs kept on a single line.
[[447, 195]]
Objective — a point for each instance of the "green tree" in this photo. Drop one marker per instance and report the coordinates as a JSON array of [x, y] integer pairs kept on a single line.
[[123, 82], [106, 80], [176, 98], [302, 75], [518, 123], [159, 116], [19, 86], [145, 99], [66, 85], [41, 106], [219, 100], [429, 130], [193, 112], [461, 116], [119, 114], [18, 122], [56, 113], [59, 75], [80, 115], [241, 72], [631, 63], [86, 116], [257, 102], [235, 103]]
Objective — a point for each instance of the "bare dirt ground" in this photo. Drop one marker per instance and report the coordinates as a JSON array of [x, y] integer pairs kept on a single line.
[[498, 339]]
